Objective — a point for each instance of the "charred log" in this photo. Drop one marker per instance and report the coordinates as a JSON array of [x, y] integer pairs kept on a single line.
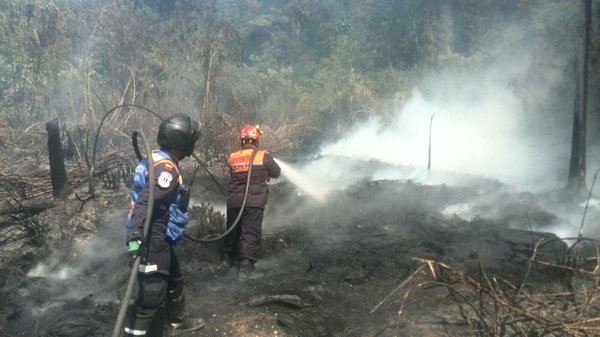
[[289, 300], [58, 173]]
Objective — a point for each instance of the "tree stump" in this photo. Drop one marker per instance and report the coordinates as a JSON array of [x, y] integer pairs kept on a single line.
[[57, 163]]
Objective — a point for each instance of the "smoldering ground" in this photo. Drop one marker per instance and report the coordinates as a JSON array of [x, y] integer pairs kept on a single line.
[[343, 252], [503, 114]]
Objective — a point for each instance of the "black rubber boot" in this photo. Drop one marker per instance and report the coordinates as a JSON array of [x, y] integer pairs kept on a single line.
[[246, 267], [137, 326], [176, 304], [226, 263], [187, 325]]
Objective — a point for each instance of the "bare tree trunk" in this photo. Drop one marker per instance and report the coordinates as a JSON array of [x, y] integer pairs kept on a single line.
[[58, 174], [209, 56], [208, 68], [577, 163]]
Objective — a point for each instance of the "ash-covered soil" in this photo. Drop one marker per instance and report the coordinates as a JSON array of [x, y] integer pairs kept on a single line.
[[381, 258]]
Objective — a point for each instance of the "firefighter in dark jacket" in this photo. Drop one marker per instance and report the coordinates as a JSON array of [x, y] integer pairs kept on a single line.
[[240, 246], [159, 279]]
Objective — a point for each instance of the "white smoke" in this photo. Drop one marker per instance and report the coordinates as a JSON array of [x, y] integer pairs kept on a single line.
[[503, 116]]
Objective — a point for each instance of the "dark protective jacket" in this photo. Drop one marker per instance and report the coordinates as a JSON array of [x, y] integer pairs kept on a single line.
[[263, 168], [169, 215]]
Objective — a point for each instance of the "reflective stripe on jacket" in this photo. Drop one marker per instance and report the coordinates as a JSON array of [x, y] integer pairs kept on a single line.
[[240, 161], [263, 168], [167, 218]]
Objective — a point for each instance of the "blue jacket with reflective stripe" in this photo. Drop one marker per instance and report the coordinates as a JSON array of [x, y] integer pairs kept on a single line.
[[170, 215]]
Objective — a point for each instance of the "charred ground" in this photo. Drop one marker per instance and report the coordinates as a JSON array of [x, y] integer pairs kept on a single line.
[[380, 258]]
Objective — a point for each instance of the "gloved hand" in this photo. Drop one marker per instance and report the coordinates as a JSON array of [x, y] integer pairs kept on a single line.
[[134, 250]]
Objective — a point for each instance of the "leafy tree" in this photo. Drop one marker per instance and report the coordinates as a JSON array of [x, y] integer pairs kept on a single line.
[[305, 69]]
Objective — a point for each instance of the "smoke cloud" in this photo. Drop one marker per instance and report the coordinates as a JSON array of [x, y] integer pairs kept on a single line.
[[504, 114]]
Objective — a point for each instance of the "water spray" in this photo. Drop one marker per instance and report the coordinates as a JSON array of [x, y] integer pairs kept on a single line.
[[302, 182]]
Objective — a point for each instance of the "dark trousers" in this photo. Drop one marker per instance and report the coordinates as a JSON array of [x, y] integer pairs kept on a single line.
[[157, 290], [244, 240]]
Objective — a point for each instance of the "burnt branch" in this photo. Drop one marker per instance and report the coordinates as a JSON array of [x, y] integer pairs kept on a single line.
[[497, 307]]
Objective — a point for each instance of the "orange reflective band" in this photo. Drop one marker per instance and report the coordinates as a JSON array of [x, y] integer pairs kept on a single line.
[[240, 161], [168, 162]]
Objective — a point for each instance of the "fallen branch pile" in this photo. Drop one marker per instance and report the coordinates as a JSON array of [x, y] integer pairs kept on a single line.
[[112, 171], [493, 306], [21, 198]]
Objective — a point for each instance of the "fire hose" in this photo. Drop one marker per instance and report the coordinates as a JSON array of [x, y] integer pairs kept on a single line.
[[136, 262], [239, 216], [209, 238], [147, 224]]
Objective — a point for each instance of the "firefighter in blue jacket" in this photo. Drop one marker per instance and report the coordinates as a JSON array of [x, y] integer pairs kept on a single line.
[[160, 279]]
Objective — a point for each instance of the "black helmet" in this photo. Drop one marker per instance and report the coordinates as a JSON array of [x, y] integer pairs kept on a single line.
[[178, 132]]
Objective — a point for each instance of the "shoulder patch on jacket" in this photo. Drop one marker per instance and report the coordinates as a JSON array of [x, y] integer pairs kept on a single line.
[[164, 179]]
